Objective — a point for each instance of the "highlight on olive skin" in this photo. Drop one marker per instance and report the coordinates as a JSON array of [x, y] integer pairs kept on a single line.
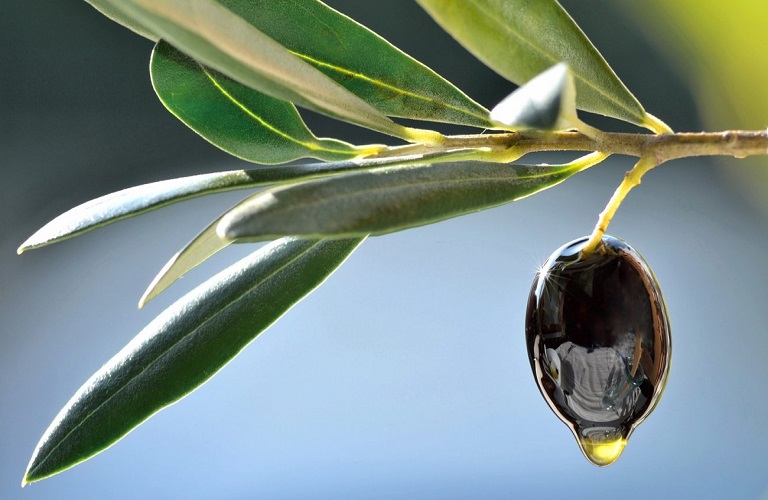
[[599, 342]]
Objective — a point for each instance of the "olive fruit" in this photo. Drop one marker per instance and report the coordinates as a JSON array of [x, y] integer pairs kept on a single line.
[[598, 342]]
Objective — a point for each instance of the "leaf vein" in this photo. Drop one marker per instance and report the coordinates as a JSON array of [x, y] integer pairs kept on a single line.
[[313, 146], [388, 86]]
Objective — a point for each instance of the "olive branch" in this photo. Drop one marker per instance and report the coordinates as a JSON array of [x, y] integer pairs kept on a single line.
[[235, 72]]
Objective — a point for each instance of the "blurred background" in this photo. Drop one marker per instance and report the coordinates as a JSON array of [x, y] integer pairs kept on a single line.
[[406, 374]]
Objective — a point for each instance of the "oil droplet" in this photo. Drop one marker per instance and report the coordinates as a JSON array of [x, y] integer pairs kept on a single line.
[[602, 446], [599, 343]]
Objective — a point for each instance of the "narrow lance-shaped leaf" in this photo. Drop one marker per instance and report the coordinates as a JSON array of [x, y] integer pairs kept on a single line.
[[202, 247], [521, 38], [221, 40], [387, 200], [208, 242], [360, 60], [183, 347], [138, 200], [238, 119]]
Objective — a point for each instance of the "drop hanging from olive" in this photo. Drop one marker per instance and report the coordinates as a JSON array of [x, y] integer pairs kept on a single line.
[[599, 342]]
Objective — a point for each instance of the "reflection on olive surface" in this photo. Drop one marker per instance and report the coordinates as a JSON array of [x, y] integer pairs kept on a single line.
[[599, 343]]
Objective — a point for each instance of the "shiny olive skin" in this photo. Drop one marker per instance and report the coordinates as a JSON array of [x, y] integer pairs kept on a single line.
[[599, 342]]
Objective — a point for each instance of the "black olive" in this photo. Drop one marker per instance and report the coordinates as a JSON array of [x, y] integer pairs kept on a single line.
[[599, 342]]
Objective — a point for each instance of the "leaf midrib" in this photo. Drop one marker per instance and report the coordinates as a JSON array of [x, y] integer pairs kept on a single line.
[[375, 81], [313, 146], [388, 86]]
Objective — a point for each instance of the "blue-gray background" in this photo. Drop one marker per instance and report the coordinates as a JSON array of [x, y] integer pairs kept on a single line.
[[405, 375]]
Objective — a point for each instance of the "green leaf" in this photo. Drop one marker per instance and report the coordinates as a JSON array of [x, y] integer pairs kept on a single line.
[[134, 201], [204, 246], [138, 200], [208, 242], [360, 60], [239, 120], [184, 347], [546, 102], [386, 200], [218, 38], [521, 38]]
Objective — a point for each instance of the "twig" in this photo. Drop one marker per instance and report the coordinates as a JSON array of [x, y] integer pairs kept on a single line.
[[661, 148], [653, 150]]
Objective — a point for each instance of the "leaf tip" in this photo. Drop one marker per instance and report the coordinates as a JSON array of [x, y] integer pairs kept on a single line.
[[30, 244], [158, 283], [144, 299], [30, 476], [153, 290]]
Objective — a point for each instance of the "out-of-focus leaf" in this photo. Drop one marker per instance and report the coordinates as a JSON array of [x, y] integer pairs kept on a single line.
[[360, 60], [184, 347], [137, 200], [720, 51], [385, 200], [546, 102], [238, 119], [218, 38], [521, 38]]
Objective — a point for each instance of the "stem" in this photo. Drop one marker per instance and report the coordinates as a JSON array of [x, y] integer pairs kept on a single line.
[[631, 179], [662, 148], [653, 150]]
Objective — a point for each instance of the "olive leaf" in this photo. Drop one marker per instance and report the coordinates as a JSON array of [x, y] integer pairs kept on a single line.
[[218, 38], [208, 242], [360, 60], [202, 247], [386, 200], [134, 201], [237, 119], [184, 347], [546, 102], [141, 199], [521, 38]]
